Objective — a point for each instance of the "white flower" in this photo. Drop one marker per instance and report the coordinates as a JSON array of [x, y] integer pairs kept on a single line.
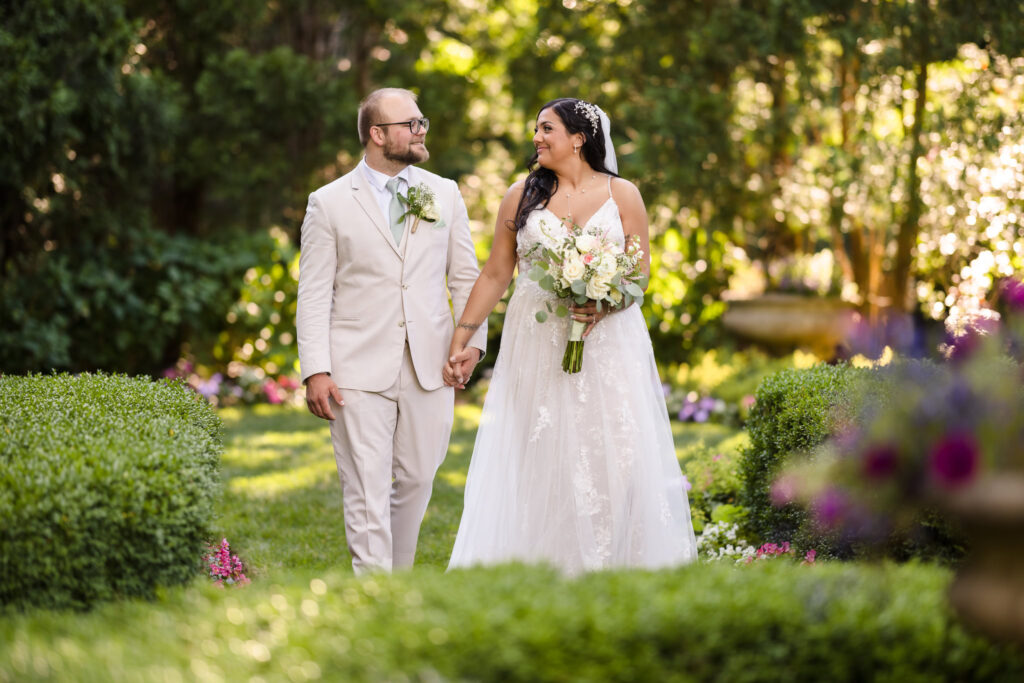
[[607, 266], [616, 296], [572, 269], [431, 212], [597, 288], [587, 242]]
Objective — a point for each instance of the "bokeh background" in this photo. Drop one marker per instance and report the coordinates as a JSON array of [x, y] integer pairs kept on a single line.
[[155, 159]]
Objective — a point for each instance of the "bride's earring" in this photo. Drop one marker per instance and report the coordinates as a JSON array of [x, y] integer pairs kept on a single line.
[[575, 149]]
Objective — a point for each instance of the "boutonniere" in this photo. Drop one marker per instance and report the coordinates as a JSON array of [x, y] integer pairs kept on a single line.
[[422, 204]]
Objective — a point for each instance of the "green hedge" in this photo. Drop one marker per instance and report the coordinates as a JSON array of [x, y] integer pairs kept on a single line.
[[795, 411], [769, 621], [107, 486]]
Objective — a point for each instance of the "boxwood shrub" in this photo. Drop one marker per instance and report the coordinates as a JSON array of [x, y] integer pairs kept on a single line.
[[107, 486], [769, 621], [797, 410]]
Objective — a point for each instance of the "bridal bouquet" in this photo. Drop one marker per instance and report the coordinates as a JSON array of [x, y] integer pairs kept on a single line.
[[585, 265]]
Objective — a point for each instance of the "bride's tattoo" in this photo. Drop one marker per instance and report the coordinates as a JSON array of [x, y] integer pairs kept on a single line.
[[469, 326]]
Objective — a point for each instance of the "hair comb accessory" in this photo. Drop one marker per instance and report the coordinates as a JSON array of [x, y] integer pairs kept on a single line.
[[590, 112]]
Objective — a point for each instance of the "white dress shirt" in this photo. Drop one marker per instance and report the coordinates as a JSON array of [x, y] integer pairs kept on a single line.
[[378, 182]]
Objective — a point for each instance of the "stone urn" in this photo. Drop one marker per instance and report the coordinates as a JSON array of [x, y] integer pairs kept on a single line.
[[988, 591], [783, 320]]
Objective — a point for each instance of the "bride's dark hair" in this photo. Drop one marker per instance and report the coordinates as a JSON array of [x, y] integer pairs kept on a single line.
[[542, 182]]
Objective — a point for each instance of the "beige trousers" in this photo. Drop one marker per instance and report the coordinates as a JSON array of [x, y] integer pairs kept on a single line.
[[388, 447]]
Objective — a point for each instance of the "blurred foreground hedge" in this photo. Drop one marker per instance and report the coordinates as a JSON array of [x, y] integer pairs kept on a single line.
[[107, 486], [768, 621]]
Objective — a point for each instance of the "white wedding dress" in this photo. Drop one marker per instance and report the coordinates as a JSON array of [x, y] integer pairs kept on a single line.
[[574, 470]]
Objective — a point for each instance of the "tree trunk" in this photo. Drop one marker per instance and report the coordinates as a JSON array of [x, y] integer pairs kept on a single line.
[[909, 227]]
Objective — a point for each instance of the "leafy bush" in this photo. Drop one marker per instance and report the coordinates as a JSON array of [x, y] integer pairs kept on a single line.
[[140, 293], [708, 622], [795, 411], [107, 486], [713, 474]]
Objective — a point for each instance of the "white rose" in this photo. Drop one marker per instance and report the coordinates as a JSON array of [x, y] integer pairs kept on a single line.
[[587, 242], [597, 288], [607, 266], [572, 269], [431, 212]]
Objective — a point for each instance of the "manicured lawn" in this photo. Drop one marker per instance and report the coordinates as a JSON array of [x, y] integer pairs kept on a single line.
[[282, 500]]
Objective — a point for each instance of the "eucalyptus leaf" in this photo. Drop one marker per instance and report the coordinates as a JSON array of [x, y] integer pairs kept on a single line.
[[541, 316]]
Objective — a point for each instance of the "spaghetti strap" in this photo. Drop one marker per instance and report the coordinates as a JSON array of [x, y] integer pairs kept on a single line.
[[609, 187]]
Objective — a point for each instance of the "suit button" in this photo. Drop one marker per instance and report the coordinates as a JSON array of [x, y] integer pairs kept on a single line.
[[401, 324], [405, 286]]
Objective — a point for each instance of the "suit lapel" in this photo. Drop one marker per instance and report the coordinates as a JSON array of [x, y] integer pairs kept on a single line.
[[364, 197]]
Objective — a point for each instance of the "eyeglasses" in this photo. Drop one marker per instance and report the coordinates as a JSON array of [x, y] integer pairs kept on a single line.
[[415, 125]]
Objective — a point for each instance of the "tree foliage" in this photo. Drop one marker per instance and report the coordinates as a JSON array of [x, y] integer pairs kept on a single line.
[[148, 149]]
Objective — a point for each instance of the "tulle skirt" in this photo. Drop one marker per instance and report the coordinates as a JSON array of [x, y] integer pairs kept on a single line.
[[574, 470]]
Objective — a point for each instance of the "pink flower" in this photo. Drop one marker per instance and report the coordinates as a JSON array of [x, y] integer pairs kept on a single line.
[[784, 490], [270, 389], [809, 557], [954, 459]]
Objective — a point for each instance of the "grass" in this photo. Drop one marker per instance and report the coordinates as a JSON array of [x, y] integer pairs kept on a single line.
[[281, 507]]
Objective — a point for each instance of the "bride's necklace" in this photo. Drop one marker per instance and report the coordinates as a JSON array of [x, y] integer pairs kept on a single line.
[[568, 197]]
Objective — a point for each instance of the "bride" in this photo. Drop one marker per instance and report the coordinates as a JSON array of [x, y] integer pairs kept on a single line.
[[574, 470]]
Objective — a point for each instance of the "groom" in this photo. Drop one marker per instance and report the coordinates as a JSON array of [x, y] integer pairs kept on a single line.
[[374, 325]]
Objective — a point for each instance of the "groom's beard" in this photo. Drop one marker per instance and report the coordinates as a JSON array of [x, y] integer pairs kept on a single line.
[[409, 154]]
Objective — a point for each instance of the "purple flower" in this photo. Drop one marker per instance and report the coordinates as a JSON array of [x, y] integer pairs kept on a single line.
[[701, 416], [1013, 290], [880, 461], [830, 508], [954, 459]]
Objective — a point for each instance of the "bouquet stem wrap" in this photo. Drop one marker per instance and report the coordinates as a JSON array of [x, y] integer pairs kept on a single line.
[[572, 361]]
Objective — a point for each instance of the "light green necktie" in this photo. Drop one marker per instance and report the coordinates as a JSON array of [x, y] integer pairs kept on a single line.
[[396, 210]]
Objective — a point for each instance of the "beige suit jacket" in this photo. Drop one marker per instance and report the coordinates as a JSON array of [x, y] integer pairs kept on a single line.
[[361, 296]]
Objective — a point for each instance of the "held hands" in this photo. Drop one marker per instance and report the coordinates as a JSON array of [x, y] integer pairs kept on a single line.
[[459, 368], [320, 389], [589, 314]]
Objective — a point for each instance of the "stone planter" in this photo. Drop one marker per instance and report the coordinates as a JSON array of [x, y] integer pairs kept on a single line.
[[988, 591], [792, 320]]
